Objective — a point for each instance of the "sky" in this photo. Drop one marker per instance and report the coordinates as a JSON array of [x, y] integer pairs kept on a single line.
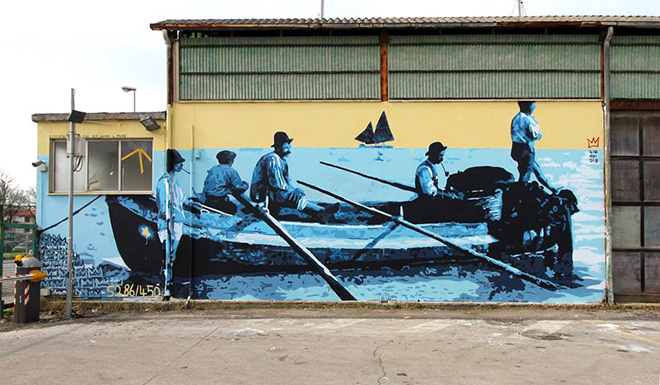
[[98, 47]]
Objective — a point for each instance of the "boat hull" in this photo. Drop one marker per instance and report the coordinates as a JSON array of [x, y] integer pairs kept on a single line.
[[244, 245]]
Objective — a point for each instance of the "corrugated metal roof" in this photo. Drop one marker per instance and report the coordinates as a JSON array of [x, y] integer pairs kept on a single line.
[[409, 22], [158, 115]]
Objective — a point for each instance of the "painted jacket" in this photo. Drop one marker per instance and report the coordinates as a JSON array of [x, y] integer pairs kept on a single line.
[[173, 213], [426, 179], [525, 129], [221, 180], [271, 173]]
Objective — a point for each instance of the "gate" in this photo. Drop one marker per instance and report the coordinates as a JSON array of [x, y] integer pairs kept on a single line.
[[15, 239]]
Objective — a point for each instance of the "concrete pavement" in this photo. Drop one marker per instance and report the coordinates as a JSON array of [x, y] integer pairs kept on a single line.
[[341, 346]]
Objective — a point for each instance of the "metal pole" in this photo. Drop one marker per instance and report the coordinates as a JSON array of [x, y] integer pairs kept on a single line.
[[519, 10], [322, 8], [607, 165], [69, 257], [134, 92]]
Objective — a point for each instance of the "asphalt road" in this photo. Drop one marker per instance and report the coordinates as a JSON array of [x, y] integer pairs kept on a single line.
[[328, 347], [8, 267]]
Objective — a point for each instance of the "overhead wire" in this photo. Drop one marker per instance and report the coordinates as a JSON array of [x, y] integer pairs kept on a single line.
[[78, 165]]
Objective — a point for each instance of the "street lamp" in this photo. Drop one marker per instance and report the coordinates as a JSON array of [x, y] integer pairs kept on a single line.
[[133, 90], [74, 117]]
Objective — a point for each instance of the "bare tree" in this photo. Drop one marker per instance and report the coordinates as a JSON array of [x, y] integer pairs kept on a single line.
[[13, 198]]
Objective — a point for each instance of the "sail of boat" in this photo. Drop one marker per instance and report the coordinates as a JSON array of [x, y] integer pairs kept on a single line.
[[366, 136], [383, 132]]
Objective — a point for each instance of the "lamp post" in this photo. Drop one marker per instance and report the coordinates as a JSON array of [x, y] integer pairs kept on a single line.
[[133, 90], [74, 117]]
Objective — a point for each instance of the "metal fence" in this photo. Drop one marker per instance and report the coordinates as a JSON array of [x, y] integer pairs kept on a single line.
[[15, 239]]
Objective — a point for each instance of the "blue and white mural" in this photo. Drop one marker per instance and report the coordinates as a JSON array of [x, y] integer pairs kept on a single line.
[[409, 224]]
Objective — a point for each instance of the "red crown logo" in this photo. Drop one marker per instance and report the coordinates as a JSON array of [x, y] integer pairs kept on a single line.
[[593, 142]]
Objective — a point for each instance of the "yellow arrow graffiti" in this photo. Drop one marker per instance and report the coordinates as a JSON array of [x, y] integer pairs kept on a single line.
[[140, 152]]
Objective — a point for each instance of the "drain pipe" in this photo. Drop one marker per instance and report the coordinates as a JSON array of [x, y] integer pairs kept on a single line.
[[607, 166], [170, 100]]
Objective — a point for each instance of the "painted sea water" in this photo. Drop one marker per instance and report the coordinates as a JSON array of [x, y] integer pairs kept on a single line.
[[577, 170]]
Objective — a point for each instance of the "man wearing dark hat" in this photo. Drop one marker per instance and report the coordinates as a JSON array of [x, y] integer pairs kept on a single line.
[[170, 199], [221, 181], [426, 176], [270, 179]]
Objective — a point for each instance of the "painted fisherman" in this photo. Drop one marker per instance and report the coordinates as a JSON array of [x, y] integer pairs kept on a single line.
[[221, 181], [271, 181], [170, 200], [525, 132], [426, 176]]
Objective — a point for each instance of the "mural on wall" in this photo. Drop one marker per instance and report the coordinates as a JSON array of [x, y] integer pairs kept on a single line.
[[432, 224]]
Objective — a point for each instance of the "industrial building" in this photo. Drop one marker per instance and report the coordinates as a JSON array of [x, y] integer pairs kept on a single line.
[[574, 217]]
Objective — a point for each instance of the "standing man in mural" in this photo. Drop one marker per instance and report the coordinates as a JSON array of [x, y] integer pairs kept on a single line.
[[426, 176], [525, 131], [170, 199], [221, 181], [270, 179]]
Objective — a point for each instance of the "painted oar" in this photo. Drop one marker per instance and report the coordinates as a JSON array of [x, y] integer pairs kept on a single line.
[[299, 248], [398, 185], [517, 272]]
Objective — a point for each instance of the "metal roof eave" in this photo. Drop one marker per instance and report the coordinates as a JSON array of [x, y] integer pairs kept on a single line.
[[316, 26], [187, 26]]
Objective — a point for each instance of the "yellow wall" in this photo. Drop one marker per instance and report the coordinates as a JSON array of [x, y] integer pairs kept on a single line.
[[105, 129], [458, 124]]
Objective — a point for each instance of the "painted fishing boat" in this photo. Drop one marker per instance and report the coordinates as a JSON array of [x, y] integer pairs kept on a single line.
[[215, 243]]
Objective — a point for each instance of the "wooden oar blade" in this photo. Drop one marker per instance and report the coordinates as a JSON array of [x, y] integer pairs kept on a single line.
[[299, 248]]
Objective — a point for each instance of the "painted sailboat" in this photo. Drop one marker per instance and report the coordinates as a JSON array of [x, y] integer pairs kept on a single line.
[[376, 139]]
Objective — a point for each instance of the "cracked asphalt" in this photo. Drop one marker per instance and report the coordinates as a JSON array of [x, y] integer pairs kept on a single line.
[[339, 346]]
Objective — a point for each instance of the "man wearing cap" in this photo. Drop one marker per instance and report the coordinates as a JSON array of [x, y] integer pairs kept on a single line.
[[221, 181], [426, 176], [270, 179], [170, 199], [525, 131]]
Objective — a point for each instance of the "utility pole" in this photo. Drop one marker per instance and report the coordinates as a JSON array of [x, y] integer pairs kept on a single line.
[[519, 8], [74, 117], [71, 149], [322, 8]]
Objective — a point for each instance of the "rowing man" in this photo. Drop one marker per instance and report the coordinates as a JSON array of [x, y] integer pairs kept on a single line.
[[221, 181], [426, 176], [270, 179]]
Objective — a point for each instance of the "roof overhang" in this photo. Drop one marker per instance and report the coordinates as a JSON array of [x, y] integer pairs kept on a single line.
[[96, 116], [412, 23]]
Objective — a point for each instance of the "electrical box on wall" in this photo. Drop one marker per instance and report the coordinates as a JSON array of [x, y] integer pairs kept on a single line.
[[79, 148]]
